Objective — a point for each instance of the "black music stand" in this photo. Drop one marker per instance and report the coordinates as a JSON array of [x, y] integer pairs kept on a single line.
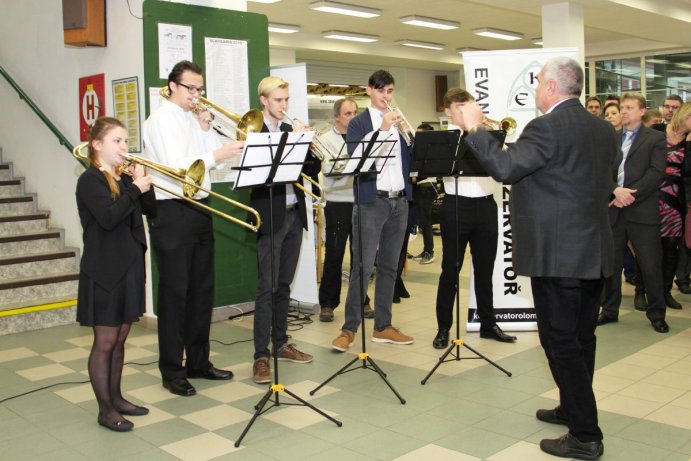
[[362, 163], [270, 171], [444, 153]]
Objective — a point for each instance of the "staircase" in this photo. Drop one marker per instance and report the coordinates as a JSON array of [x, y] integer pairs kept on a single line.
[[38, 275]]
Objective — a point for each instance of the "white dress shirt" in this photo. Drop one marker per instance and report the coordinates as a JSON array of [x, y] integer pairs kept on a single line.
[[391, 177], [173, 137], [469, 186]]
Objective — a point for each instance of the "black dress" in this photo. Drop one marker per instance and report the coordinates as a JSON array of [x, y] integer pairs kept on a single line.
[[111, 279]]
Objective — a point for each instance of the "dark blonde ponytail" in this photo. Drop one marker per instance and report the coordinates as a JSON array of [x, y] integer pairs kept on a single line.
[[98, 131]]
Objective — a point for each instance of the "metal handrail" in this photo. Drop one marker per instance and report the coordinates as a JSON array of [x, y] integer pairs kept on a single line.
[[22, 95]]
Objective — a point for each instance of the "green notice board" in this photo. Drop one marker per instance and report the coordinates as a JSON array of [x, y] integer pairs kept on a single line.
[[236, 263]]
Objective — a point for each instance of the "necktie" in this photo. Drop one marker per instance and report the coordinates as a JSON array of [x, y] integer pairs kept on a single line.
[[625, 146]]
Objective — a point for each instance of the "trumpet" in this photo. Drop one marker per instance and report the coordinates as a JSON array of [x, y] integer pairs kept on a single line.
[[229, 124], [191, 180], [321, 148], [507, 124], [404, 129]]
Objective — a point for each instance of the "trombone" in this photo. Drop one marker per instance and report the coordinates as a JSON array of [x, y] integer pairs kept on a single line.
[[191, 180], [229, 124]]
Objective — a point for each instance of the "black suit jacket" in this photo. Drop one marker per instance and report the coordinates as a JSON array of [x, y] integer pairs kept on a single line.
[[259, 198], [112, 227], [560, 169], [644, 170]]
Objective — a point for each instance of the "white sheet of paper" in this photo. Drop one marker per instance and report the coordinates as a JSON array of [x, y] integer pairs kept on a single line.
[[227, 81], [260, 149], [174, 45]]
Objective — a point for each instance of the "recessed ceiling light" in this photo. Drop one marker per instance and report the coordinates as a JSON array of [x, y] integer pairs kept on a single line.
[[423, 21], [349, 36], [265, 1], [283, 28], [418, 44], [339, 85], [468, 48], [497, 33], [344, 8], [537, 41]]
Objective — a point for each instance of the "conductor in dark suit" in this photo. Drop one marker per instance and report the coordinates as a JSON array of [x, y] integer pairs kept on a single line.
[[289, 218], [560, 170], [634, 214]]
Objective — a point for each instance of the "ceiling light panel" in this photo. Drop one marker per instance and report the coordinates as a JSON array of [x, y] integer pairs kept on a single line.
[[497, 33], [419, 44], [433, 23], [344, 8], [349, 36], [283, 28]]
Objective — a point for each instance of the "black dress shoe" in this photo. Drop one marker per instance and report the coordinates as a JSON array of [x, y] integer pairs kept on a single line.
[[568, 446], [496, 333], [684, 287], [122, 425], [660, 326], [551, 416], [212, 373], [179, 386], [396, 298], [441, 341], [603, 319], [136, 411], [639, 302], [671, 302]]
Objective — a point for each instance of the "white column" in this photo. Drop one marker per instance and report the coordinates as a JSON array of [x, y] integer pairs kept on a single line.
[[563, 26]]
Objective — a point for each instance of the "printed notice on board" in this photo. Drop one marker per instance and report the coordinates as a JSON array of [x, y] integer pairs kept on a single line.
[[126, 102], [227, 80], [174, 45]]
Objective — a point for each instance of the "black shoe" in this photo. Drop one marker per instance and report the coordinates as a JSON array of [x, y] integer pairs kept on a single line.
[[660, 326], [551, 416], [639, 302], [136, 411], [402, 292], [368, 312], [396, 298], [211, 373], [671, 302], [603, 319], [122, 425], [568, 446], [684, 286], [630, 280], [441, 341], [179, 386], [496, 333]]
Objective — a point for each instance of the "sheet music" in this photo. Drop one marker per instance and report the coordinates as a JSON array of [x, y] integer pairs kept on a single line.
[[382, 147], [258, 155]]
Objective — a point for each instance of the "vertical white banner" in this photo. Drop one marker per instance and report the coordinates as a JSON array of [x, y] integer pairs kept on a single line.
[[503, 83], [304, 287]]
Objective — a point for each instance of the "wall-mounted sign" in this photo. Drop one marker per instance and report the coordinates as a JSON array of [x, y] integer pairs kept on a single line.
[[92, 102]]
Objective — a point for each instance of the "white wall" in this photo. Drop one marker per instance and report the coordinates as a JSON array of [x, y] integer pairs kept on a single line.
[[33, 52]]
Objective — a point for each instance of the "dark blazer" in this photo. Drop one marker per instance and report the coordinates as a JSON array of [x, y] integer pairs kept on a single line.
[[112, 227], [357, 129], [259, 198], [560, 169], [644, 170]]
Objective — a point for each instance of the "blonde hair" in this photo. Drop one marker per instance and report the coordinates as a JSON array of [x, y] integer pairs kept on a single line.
[[269, 84], [98, 131], [680, 117]]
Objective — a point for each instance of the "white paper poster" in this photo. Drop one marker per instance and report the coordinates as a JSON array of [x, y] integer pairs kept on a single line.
[[227, 80], [174, 45], [503, 83]]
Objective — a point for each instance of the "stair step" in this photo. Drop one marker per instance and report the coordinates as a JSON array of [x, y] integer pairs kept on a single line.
[[50, 240], [11, 187], [24, 224], [25, 289], [5, 172], [55, 262], [10, 206]]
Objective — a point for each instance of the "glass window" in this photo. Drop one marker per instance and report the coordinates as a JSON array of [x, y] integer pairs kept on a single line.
[[666, 75]]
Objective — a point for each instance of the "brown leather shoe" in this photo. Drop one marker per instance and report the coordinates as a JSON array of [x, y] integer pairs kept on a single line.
[[261, 370], [343, 340]]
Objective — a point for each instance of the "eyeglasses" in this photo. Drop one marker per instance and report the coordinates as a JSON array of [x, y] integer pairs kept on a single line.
[[193, 89], [670, 107]]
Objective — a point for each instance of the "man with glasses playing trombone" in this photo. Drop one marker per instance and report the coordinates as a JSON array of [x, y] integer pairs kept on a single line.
[[182, 234]]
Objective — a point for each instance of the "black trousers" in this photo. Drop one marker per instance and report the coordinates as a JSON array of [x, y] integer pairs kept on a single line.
[[183, 241], [566, 311], [339, 227], [286, 251], [477, 225], [645, 239], [423, 199]]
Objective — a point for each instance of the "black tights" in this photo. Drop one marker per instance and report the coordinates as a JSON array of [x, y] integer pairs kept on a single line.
[[105, 370]]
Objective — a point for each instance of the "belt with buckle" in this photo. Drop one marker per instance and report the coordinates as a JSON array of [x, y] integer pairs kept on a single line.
[[390, 194], [291, 207]]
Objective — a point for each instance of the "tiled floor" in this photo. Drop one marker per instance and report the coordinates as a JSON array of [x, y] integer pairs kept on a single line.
[[468, 410]]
